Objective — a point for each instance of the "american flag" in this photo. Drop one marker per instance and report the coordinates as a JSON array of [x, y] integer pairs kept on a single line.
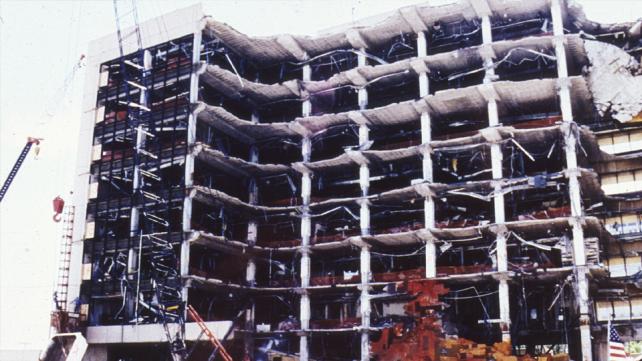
[[616, 346]]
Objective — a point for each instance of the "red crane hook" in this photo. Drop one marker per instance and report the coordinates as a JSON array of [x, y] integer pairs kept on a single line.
[[58, 206]]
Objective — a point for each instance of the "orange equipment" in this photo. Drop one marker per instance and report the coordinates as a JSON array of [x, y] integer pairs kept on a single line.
[[218, 346]]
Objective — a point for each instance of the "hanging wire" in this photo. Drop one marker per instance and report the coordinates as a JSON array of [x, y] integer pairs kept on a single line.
[[415, 253]]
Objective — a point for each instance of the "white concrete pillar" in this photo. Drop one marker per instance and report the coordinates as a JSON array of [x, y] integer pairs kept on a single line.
[[422, 51], [191, 135], [132, 261], [431, 248], [364, 179], [306, 230], [496, 157], [134, 220], [487, 40], [304, 309], [558, 39], [487, 35], [307, 104], [504, 310], [582, 289], [252, 226], [304, 353], [189, 158], [362, 94], [426, 138], [365, 304], [579, 257], [252, 235], [364, 269], [364, 182]]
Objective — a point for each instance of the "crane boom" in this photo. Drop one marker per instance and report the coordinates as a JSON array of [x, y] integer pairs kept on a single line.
[[16, 167]]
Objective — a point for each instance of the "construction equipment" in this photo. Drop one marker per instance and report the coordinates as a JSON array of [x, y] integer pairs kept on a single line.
[[62, 283], [58, 206], [16, 167], [218, 346]]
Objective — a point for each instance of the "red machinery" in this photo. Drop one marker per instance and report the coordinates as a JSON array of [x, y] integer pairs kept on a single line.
[[421, 341], [58, 207]]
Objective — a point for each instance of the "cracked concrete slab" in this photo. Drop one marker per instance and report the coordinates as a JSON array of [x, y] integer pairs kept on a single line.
[[615, 81]]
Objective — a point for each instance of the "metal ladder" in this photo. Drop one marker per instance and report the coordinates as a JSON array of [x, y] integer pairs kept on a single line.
[[163, 260], [64, 260]]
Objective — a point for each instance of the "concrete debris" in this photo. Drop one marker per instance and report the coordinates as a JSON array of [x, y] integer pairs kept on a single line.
[[615, 80]]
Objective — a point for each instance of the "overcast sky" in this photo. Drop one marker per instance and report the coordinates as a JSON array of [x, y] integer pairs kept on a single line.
[[40, 42]]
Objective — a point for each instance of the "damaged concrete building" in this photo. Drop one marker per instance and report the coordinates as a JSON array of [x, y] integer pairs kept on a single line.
[[434, 184]]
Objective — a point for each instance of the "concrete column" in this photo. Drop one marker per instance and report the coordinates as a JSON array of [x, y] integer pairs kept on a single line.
[[498, 199], [252, 234], [135, 253], [579, 256], [487, 35], [426, 137], [252, 227], [191, 130], [306, 231], [364, 182], [305, 283], [306, 108], [582, 295], [500, 217], [304, 309], [189, 158], [558, 33], [431, 248], [365, 266], [362, 94], [365, 304], [504, 312], [487, 40], [140, 144]]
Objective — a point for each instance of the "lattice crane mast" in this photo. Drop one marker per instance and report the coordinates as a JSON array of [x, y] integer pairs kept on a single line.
[[16, 167]]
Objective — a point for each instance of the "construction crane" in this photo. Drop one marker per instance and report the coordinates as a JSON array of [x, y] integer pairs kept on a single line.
[[16, 167], [218, 346]]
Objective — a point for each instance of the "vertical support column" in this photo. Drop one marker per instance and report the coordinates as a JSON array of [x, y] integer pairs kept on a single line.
[[364, 182], [189, 158], [252, 233], [136, 181], [426, 138], [140, 144], [306, 228], [487, 40], [252, 228], [498, 200], [134, 256], [500, 218], [497, 173], [579, 256]]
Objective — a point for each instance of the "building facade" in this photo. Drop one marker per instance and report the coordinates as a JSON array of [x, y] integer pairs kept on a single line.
[[459, 174]]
